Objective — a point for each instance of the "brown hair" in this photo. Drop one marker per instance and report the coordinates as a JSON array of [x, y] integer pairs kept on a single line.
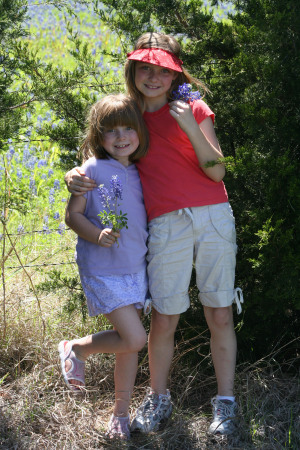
[[109, 112], [165, 42]]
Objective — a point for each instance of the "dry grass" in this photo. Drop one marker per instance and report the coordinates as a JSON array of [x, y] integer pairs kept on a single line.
[[38, 412]]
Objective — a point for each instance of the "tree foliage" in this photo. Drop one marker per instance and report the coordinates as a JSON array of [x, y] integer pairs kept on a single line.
[[12, 15]]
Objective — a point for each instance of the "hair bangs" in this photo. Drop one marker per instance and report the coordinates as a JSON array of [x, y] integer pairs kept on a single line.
[[119, 115]]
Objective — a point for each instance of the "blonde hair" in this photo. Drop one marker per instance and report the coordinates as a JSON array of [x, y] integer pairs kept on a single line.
[[165, 42], [109, 112]]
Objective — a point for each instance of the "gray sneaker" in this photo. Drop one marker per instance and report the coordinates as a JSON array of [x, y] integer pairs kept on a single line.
[[224, 411], [152, 413]]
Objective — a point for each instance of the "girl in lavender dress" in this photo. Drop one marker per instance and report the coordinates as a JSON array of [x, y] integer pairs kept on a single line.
[[111, 262]]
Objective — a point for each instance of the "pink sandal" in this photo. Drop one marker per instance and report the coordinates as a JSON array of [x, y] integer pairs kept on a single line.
[[76, 371]]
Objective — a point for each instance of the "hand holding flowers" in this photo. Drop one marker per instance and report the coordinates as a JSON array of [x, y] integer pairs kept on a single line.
[[181, 110]]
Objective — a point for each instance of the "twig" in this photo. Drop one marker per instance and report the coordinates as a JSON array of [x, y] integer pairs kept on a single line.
[[21, 104]]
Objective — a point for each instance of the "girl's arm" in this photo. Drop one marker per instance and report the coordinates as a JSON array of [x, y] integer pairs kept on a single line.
[[77, 183], [84, 228], [202, 137]]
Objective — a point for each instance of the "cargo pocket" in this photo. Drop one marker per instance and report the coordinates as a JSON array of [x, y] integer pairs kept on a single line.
[[222, 218], [158, 234]]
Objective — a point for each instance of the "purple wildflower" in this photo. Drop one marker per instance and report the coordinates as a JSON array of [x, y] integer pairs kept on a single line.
[[104, 195], [56, 184], [20, 229], [116, 187], [184, 93], [110, 216], [41, 163], [61, 228], [56, 216], [46, 229], [32, 186]]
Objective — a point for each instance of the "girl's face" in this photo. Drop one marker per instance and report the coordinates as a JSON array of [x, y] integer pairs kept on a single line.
[[120, 142], [153, 82]]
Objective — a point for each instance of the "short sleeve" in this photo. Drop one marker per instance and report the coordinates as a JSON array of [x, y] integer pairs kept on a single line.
[[201, 111], [89, 168]]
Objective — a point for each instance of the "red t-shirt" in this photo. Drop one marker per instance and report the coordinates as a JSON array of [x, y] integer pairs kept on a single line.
[[170, 173]]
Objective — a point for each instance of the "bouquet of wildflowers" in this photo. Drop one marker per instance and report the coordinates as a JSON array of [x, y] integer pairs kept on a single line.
[[111, 217], [184, 93]]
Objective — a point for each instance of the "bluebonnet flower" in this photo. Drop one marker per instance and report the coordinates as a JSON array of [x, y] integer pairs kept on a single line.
[[63, 199], [31, 162], [61, 228], [109, 199], [184, 93], [46, 219], [1, 237], [42, 162], [104, 195], [32, 186], [26, 154], [56, 216], [51, 197], [9, 156], [50, 172], [44, 176], [9, 140], [56, 184], [19, 173], [20, 229], [46, 229], [116, 187]]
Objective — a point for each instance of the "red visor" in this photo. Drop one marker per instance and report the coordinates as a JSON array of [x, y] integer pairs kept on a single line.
[[158, 57]]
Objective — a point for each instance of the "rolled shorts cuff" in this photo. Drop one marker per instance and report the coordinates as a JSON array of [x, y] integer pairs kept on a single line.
[[176, 304], [222, 299], [219, 299]]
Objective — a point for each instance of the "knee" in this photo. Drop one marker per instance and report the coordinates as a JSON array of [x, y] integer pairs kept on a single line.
[[162, 324], [137, 341], [222, 317]]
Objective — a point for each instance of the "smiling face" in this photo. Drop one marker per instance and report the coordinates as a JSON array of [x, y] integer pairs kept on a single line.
[[120, 142], [153, 82]]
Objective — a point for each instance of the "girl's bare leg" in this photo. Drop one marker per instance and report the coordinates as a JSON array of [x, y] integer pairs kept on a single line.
[[223, 347], [128, 337], [161, 349]]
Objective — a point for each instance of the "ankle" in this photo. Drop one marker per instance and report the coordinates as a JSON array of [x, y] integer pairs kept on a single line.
[[77, 349], [121, 414]]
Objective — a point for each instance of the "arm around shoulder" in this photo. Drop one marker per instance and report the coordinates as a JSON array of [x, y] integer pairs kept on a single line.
[[77, 183]]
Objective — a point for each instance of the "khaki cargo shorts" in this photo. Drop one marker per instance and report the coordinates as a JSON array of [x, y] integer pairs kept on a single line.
[[204, 236]]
